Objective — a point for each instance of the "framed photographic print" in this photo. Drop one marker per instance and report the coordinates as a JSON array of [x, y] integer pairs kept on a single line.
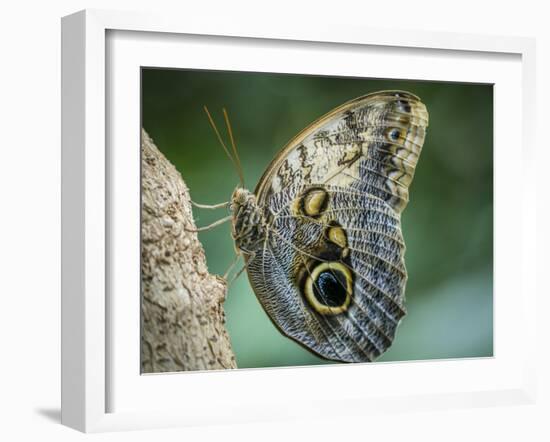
[[240, 216], [451, 310]]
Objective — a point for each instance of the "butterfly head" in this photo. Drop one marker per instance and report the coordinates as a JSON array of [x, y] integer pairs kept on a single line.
[[241, 197]]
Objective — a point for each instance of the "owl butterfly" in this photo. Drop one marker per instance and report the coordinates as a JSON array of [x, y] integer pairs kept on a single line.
[[321, 234]]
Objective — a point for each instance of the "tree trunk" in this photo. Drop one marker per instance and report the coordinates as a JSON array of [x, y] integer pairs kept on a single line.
[[183, 321]]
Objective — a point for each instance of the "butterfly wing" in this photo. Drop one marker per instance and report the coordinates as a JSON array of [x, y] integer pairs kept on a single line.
[[331, 272], [376, 138]]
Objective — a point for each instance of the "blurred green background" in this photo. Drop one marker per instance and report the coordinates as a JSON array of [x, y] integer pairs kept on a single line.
[[448, 224]]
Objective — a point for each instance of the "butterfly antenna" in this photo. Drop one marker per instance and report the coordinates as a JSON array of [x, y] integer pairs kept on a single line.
[[221, 141], [234, 147]]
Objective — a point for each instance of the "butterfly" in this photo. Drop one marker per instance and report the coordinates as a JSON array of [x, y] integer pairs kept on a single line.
[[321, 233]]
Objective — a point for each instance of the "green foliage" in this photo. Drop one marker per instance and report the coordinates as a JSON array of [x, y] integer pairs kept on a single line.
[[448, 225]]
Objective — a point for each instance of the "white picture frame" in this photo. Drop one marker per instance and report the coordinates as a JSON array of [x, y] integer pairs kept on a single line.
[[94, 368]]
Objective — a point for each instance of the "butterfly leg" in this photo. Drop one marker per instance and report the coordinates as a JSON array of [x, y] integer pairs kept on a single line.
[[210, 206], [231, 266], [210, 226], [239, 273]]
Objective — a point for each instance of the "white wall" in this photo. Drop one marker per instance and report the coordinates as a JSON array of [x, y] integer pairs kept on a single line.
[[30, 220]]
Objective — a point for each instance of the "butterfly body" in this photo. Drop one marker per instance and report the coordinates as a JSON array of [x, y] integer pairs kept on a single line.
[[249, 226], [321, 234]]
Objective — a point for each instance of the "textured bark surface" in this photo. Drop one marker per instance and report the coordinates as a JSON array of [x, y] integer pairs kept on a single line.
[[183, 321]]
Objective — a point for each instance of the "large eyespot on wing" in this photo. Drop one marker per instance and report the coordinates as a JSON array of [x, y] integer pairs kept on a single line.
[[331, 275], [371, 143]]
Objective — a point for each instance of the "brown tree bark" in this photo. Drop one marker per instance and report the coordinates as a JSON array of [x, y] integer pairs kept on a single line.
[[183, 321]]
